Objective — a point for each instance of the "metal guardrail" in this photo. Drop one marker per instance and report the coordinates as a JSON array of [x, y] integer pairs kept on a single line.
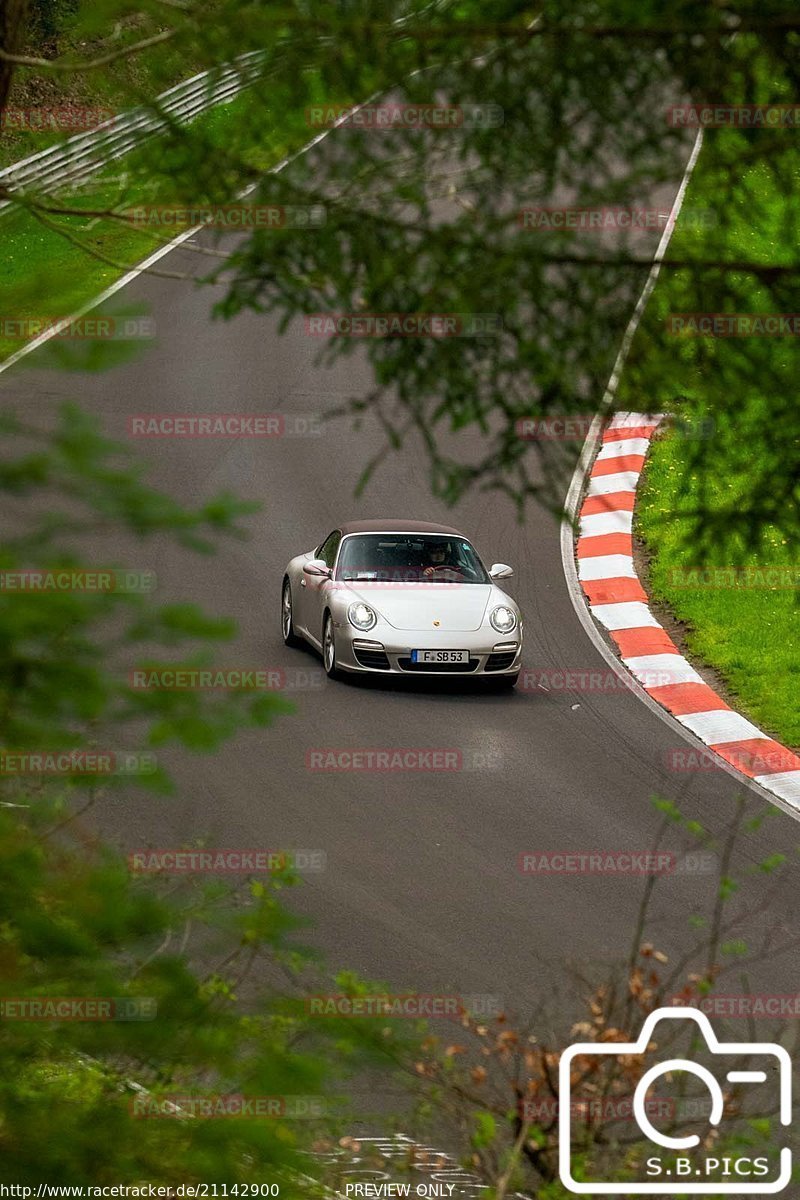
[[76, 159]]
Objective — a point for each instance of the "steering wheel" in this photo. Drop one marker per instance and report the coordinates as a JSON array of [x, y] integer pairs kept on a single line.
[[451, 567]]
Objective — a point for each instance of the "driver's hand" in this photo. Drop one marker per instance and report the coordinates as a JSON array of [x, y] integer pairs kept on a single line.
[[430, 570]]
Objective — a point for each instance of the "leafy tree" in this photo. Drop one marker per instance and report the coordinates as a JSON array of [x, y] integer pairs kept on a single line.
[[422, 222]]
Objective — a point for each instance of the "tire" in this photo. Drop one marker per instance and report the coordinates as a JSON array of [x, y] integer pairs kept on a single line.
[[329, 649], [290, 638]]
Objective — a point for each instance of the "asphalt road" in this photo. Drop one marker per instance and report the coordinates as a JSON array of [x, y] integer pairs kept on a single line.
[[422, 887]]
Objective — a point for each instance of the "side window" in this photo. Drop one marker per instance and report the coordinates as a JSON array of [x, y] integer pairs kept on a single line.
[[327, 551]]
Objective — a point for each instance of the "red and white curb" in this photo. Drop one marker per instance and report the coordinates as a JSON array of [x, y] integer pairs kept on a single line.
[[619, 603]]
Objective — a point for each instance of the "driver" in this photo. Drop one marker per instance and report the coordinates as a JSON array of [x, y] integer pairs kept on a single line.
[[440, 558]]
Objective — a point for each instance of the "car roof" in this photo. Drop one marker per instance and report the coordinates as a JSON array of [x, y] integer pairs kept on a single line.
[[396, 527]]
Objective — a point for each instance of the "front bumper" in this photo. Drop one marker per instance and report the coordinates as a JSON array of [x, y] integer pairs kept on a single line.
[[385, 651]]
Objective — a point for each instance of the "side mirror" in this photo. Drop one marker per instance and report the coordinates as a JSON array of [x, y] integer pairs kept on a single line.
[[317, 567], [501, 571]]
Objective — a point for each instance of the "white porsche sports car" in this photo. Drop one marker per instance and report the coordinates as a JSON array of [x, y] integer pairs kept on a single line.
[[402, 598]]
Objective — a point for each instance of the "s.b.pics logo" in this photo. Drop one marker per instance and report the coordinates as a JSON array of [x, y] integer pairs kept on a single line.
[[707, 1088]]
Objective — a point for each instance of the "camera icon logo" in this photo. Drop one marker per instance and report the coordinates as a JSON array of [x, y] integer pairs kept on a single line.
[[676, 1170]]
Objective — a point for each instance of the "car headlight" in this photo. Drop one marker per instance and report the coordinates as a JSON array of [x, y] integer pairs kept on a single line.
[[503, 618], [362, 616]]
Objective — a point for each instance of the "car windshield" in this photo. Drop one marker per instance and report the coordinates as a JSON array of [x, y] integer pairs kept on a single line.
[[409, 558]]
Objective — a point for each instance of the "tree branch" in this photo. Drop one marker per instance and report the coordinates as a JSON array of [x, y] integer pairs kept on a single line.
[[46, 64]]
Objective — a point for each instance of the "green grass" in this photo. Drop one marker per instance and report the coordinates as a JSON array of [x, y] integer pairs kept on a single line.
[[687, 518], [46, 276], [51, 270], [750, 635]]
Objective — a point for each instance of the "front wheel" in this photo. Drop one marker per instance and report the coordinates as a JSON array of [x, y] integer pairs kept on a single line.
[[290, 638], [329, 650]]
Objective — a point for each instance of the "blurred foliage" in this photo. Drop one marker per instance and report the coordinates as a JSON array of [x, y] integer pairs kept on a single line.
[[74, 925], [193, 1022], [194, 966]]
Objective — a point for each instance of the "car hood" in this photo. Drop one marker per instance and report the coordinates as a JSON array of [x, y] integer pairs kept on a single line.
[[455, 606]]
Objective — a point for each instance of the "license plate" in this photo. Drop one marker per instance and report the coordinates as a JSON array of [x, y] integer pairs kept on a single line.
[[440, 656]]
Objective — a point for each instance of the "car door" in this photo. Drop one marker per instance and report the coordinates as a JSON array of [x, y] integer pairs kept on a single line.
[[313, 588]]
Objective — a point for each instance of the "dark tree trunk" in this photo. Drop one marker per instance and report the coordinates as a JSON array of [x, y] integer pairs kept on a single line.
[[13, 14]]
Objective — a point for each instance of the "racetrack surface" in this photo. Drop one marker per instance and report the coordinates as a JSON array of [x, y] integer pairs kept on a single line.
[[422, 887]]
